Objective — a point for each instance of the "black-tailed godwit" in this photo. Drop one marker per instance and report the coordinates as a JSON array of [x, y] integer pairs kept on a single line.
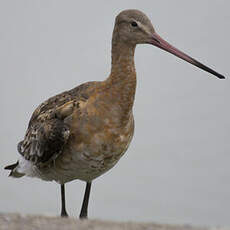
[[83, 132]]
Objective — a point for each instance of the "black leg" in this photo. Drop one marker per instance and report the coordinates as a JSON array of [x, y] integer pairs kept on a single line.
[[84, 207], [63, 210]]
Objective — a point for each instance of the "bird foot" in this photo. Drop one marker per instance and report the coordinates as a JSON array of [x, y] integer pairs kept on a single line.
[[83, 216], [64, 214]]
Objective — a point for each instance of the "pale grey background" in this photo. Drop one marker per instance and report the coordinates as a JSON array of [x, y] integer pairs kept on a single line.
[[177, 167]]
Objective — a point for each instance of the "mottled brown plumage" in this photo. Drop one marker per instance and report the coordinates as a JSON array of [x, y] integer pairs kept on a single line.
[[82, 133]]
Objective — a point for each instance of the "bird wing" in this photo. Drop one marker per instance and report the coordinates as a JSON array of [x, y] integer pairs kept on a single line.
[[48, 131]]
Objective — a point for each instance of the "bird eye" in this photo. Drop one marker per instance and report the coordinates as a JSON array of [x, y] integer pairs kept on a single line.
[[134, 24]]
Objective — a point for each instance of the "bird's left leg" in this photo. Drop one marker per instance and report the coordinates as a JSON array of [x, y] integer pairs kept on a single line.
[[63, 210]]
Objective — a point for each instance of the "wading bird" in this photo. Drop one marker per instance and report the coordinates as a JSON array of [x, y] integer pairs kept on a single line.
[[83, 132]]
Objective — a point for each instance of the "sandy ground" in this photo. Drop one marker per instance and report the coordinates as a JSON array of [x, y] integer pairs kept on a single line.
[[19, 222]]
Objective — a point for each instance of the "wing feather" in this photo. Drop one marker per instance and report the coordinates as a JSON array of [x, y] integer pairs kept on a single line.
[[48, 132]]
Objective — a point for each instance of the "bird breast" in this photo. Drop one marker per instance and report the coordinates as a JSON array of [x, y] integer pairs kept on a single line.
[[99, 137]]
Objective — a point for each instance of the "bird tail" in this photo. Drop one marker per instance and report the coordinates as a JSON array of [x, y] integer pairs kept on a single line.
[[13, 172]]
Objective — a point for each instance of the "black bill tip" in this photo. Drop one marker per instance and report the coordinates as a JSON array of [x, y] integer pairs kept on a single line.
[[221, 76], [206, 68]]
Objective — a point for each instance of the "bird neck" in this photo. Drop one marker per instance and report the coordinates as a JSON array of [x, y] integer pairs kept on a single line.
[[122, 79], [123, 68]]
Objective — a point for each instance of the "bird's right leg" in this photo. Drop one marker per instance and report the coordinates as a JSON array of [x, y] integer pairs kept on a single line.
[[63, 210], [84, 208]]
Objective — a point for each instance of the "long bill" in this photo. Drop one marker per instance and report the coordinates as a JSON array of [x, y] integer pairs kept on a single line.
[[161, 43]]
